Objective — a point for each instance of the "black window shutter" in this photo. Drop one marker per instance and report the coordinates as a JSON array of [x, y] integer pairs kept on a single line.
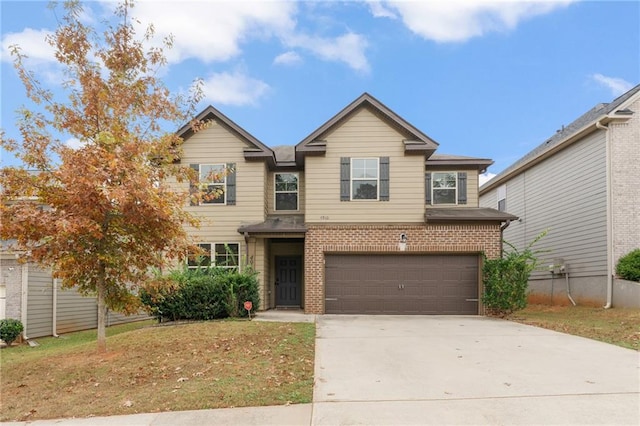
[[462, 188], [384, 178], [427, 188], [231, 184], [345, 178], [193, 185]]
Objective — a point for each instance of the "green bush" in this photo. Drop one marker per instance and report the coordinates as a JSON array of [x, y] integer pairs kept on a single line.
[[628, 266], [200, 294], [10, 329], [506, 280]]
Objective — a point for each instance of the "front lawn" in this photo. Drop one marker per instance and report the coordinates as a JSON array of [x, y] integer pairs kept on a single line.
[[616, 326], [159, 368]]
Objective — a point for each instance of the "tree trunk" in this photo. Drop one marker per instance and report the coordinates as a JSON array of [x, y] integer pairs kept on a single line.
[[102, 317]]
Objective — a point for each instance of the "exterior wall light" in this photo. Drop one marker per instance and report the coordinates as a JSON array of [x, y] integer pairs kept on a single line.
[[402, 245]]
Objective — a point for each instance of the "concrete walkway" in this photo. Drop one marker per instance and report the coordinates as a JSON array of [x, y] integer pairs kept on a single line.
[[417, 370]]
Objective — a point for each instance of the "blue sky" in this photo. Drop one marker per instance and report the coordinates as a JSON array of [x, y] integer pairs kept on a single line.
[[484, 79]]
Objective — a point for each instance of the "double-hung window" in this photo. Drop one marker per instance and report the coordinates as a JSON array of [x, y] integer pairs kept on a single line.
[[213, 183], [220, 255], [365, 174], [502, 198], [286, 191], [444, 187]]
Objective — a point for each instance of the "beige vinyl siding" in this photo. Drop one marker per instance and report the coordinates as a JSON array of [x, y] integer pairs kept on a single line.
[[75, 312], [271, 194], [39, 303], [565, 194], [219, 223], [364, 135], [472, 186]]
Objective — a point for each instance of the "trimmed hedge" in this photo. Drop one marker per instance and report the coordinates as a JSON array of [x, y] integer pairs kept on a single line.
[[10, 329], [628, 266], [200, 294]]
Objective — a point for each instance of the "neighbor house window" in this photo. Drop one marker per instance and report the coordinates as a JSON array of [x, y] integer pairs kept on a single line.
[[444, 187], [213, 183], [502, 198], [364, 178], [220, 255], [286, 185]]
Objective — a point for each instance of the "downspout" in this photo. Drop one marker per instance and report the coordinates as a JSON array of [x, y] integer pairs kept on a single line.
[[23, 302], [54, 326], [246, 248], [502, 228], [610, 229]]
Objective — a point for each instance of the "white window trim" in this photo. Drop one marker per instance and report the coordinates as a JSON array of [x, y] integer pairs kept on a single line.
[[276, 192], [433, 188], [212, 255], [202, 185], [351, 179]]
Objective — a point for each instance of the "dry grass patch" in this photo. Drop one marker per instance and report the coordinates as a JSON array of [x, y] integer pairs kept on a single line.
[[616, 326], [163, 368]]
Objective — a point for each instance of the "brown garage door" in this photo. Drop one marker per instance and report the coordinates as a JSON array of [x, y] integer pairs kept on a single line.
[[401, 284]]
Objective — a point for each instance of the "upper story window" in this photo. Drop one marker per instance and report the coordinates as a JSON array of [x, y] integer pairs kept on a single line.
[[446, 188], [213, 183], [216, 184], [286, 191], [220, 255], [364, 178], [502, 198]]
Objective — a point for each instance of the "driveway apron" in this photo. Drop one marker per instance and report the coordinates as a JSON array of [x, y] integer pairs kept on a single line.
[[467, 370]]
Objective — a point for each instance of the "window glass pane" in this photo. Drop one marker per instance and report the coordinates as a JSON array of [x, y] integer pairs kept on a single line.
[[287, 201], [286, 182], [226, 255], [213, 194], [444, 196], [364, 190], [357, 169], [371, 168], [444, 180], [202, 259]]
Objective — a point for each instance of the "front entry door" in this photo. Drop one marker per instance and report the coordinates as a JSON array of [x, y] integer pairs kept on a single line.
[[288, 283]]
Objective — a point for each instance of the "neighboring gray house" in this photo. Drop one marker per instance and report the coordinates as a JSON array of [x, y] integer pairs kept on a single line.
[[583, 185], [29, 294]]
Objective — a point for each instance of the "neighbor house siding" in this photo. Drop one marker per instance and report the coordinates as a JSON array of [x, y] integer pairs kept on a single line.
[[625, 183], [364, 135], [74, 311], [40, 303], [566, 195]]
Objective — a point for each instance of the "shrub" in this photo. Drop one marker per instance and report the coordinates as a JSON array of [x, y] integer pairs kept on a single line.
[[200, 294], [628, 266], [10, 329], [506, 279]]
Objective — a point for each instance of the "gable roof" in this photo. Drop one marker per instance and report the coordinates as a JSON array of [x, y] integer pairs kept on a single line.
[[417, 142], [585, 124], [256, 149]]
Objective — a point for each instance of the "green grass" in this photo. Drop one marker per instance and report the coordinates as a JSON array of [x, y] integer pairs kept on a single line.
[[159, 368]]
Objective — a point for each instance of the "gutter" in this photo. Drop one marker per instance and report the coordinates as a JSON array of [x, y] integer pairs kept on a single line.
[[610, 230], [25, 295]]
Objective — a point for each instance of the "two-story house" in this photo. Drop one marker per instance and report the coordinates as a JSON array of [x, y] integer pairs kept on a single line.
[[361, 216], [583, 185]]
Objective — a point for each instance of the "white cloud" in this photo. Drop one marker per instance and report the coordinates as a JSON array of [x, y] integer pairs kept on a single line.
[[348, 48], [74, 143], [378, 10], [288, 58], [485, 177], [213, 31], [458, 21], [618, 86], [32, 43], [234, 89]]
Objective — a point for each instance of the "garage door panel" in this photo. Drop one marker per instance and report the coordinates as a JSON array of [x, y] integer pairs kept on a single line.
[[401, 284]]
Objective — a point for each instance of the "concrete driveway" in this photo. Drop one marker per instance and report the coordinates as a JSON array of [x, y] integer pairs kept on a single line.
[[467, 370]]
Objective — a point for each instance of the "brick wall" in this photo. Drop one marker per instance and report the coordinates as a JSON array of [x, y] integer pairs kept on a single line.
[[321, 239], [625, 186]]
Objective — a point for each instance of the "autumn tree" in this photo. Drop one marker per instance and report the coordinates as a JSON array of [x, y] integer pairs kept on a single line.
[[102, 215]]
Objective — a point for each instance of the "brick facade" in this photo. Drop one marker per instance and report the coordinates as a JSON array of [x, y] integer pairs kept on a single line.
[[426, 239]]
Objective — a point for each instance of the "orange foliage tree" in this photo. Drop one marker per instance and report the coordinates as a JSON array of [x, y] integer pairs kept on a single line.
[[102, 215]]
